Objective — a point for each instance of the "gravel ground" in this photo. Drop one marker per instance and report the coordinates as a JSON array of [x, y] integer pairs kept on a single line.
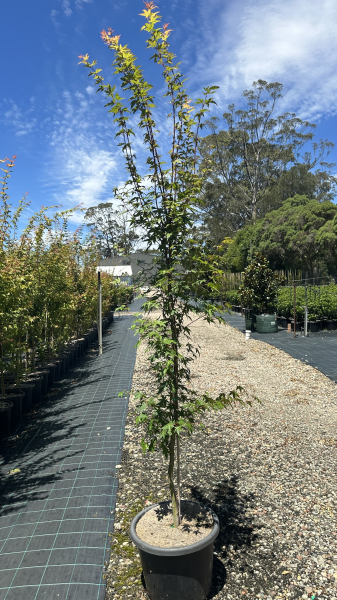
[[269, 472]]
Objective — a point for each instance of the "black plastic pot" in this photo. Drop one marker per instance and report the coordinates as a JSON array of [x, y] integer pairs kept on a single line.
[[5, 416], [57, 363], [282, 322], [314, 326], [27, 402], [27, 390], [16, 413], [52, 367], [44, 384], [36, 379], [81, 346], [66, 363], [330, 325], [63, 363], [183, 573], [86, 338]]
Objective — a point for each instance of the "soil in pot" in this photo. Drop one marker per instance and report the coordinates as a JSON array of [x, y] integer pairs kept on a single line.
[[5, 416], [172, 572], [156, 526]]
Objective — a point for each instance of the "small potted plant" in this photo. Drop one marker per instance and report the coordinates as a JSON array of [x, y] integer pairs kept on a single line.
[[259, 292], [173, 566]]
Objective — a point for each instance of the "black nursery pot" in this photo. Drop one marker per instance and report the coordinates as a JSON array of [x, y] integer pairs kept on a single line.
[[183, 573], [314, 326], [5, 416], [27, 389], [330, 325], [52, 368], [44, 384], [16, 413], [36, 379]]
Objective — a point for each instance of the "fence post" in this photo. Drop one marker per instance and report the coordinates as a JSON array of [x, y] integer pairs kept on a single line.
[[305, 321], [294, 309], [99, 324]]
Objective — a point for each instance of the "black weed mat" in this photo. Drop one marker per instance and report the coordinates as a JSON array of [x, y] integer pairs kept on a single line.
[[318, 350], [58, 479]]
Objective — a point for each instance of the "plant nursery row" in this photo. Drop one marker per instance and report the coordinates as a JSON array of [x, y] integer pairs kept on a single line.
[[20, 398], [48, 298], [321, 302]]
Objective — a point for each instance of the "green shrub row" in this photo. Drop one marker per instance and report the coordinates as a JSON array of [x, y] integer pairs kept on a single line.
[[321, 302], [48, 285]]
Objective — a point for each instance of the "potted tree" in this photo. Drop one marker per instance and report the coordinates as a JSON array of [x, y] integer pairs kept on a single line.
[[162, 206], [258, 292]]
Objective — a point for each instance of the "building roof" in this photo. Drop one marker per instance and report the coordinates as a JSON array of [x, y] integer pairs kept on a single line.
[[116, 270]]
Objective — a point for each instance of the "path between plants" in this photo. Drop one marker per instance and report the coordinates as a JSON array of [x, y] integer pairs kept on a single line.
[[57, 513], [318, 350]]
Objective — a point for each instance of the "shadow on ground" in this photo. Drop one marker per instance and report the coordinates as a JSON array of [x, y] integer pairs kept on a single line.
[[237, 531]]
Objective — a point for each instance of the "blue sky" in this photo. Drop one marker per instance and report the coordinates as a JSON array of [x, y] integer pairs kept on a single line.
[[52, 119]]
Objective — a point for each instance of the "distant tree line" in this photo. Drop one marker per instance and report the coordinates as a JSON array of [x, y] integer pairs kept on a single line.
[[251, 167], [262, 187]]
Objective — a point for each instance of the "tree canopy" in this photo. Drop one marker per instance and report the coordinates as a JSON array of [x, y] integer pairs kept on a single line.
[[258, 160], [112, 229], [301, 234]]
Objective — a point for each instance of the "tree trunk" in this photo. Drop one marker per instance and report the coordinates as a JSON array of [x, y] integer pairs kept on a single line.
[[175, 508]]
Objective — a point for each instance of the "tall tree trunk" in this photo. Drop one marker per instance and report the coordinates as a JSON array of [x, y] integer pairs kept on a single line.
[[174, 499]]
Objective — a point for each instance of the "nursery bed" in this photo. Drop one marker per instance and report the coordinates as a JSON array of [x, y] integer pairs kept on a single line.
[[270, 473], [318, 350], [58, 479]]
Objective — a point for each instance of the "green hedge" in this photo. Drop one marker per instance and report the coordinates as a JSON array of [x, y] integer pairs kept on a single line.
[[321, 302]]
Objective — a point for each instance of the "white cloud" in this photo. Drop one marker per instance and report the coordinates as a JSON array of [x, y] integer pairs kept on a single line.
[[79, 3], [86, 174], [79, 167], [66, 8], [53, 14], [22, 121], [293, 42]]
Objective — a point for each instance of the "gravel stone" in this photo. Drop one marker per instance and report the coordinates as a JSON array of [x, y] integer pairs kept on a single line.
[[269, 472]]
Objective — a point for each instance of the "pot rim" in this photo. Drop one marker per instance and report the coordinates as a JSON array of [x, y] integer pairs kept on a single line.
[[8, 402], [175, 551], [16, 394]]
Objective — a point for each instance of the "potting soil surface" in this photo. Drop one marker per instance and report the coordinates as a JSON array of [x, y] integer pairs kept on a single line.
[[59, 478], [318, 350]]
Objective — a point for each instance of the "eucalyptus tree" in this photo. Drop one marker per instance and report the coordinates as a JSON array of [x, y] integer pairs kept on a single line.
[[112, 229], [254, 162], [162, 202]]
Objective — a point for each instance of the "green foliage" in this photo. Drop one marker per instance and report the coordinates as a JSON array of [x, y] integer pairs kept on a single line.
[[111, 228], [260, 286], [321, 301], [162, 207], [254, 164], [48, 285], [301, 234]]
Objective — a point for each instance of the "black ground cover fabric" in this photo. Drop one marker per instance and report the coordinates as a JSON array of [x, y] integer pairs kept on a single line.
[[57, 512], [317, 350]]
